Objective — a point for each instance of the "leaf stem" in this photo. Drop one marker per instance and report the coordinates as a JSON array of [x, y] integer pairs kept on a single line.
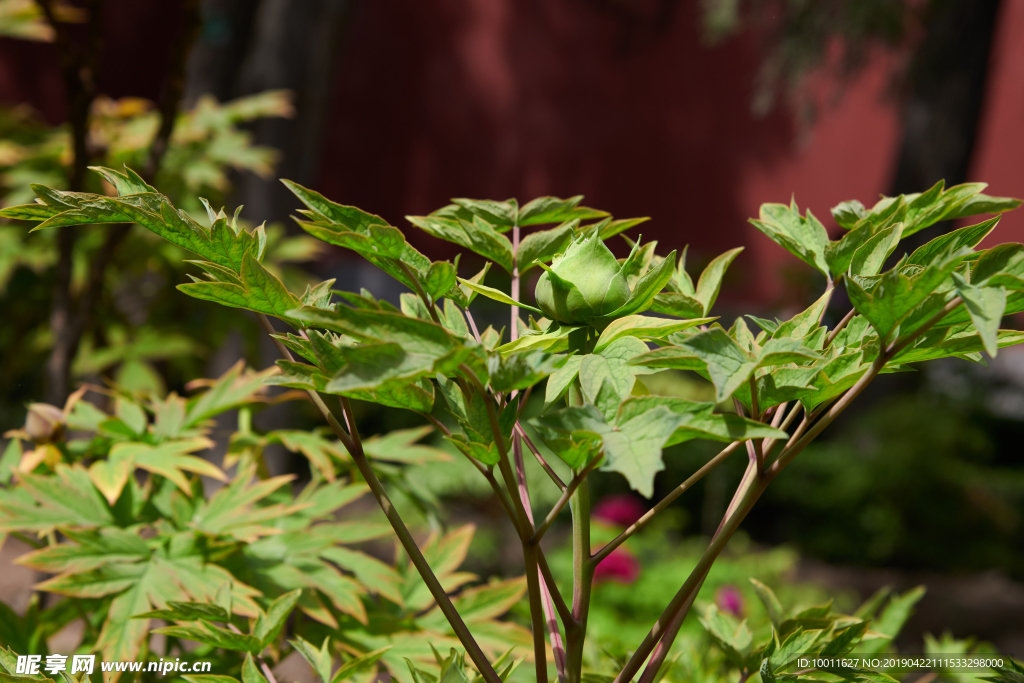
[[839, 327], [540, 458], [354, 447], [680, 603], [583, 567], [665, 502], [525, 529], [564, 613], [566, 495]]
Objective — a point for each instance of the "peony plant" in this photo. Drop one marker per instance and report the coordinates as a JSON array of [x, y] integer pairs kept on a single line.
[[600, 325]]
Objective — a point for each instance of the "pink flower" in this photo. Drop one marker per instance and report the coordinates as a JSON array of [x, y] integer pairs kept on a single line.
[[729, 600], [619, 510], [619, 566]]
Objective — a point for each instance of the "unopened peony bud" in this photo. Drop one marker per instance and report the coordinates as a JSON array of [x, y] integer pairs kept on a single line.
[[584, 283]]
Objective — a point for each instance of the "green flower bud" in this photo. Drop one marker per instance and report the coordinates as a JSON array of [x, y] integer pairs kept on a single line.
[[584, 283]]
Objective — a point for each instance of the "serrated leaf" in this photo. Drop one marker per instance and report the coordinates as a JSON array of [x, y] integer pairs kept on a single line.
[[970, 236], [555, 210], [476, 235], [728, 365], [985, 306], [804, 237], [697, 420], [215, 636]]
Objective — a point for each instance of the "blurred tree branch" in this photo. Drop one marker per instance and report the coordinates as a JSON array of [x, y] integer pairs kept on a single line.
[[70, 320]]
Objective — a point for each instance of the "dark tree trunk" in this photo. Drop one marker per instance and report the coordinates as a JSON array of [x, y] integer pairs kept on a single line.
[[945, 91]]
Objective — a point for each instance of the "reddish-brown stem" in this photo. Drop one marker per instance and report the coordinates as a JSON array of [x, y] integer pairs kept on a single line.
[[665, 502], [353, 445], [540, 458]]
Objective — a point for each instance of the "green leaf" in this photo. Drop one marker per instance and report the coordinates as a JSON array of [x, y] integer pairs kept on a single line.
[[250, 672], [643, 327], [412, 334], [771, 603], [321, 659], [358, 664], [710, 281], [187, 611], [673, 357], [476, 235], [871, 256], [802, 324], [439, 280], [387, 366], [970, 236], [560, 379], [804, 237], [574, 433], [680, 305], [214, 636], [846, 640], [783, 351], [634, 448], [897, 612], [888, 299], [728, 365], [644, 291], [731, 634], [500, 214], [848, 214], [986, 306], [610, 372], [268, 625], [980, 204], [90, 549], [498, 295], [543, 245], [170, 459], [697, 420], [261, 291], [43, 503], [371, 572], [797, 643], [521, 370], [554, 210]]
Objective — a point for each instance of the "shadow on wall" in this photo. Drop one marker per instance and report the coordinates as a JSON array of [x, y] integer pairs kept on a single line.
[[495, 98]]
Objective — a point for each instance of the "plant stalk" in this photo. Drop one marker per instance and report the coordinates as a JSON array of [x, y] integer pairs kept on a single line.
[[354, 447]]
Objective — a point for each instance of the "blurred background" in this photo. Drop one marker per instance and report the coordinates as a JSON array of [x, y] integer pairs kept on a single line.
[[691, 112]]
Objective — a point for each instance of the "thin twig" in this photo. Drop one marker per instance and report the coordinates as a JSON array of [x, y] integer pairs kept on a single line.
[[540, 458], [665, 502], [839, 327], [566, 495], [472, 323], [564, 613]]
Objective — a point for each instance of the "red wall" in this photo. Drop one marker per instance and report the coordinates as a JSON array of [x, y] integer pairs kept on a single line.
[[499, 98]]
